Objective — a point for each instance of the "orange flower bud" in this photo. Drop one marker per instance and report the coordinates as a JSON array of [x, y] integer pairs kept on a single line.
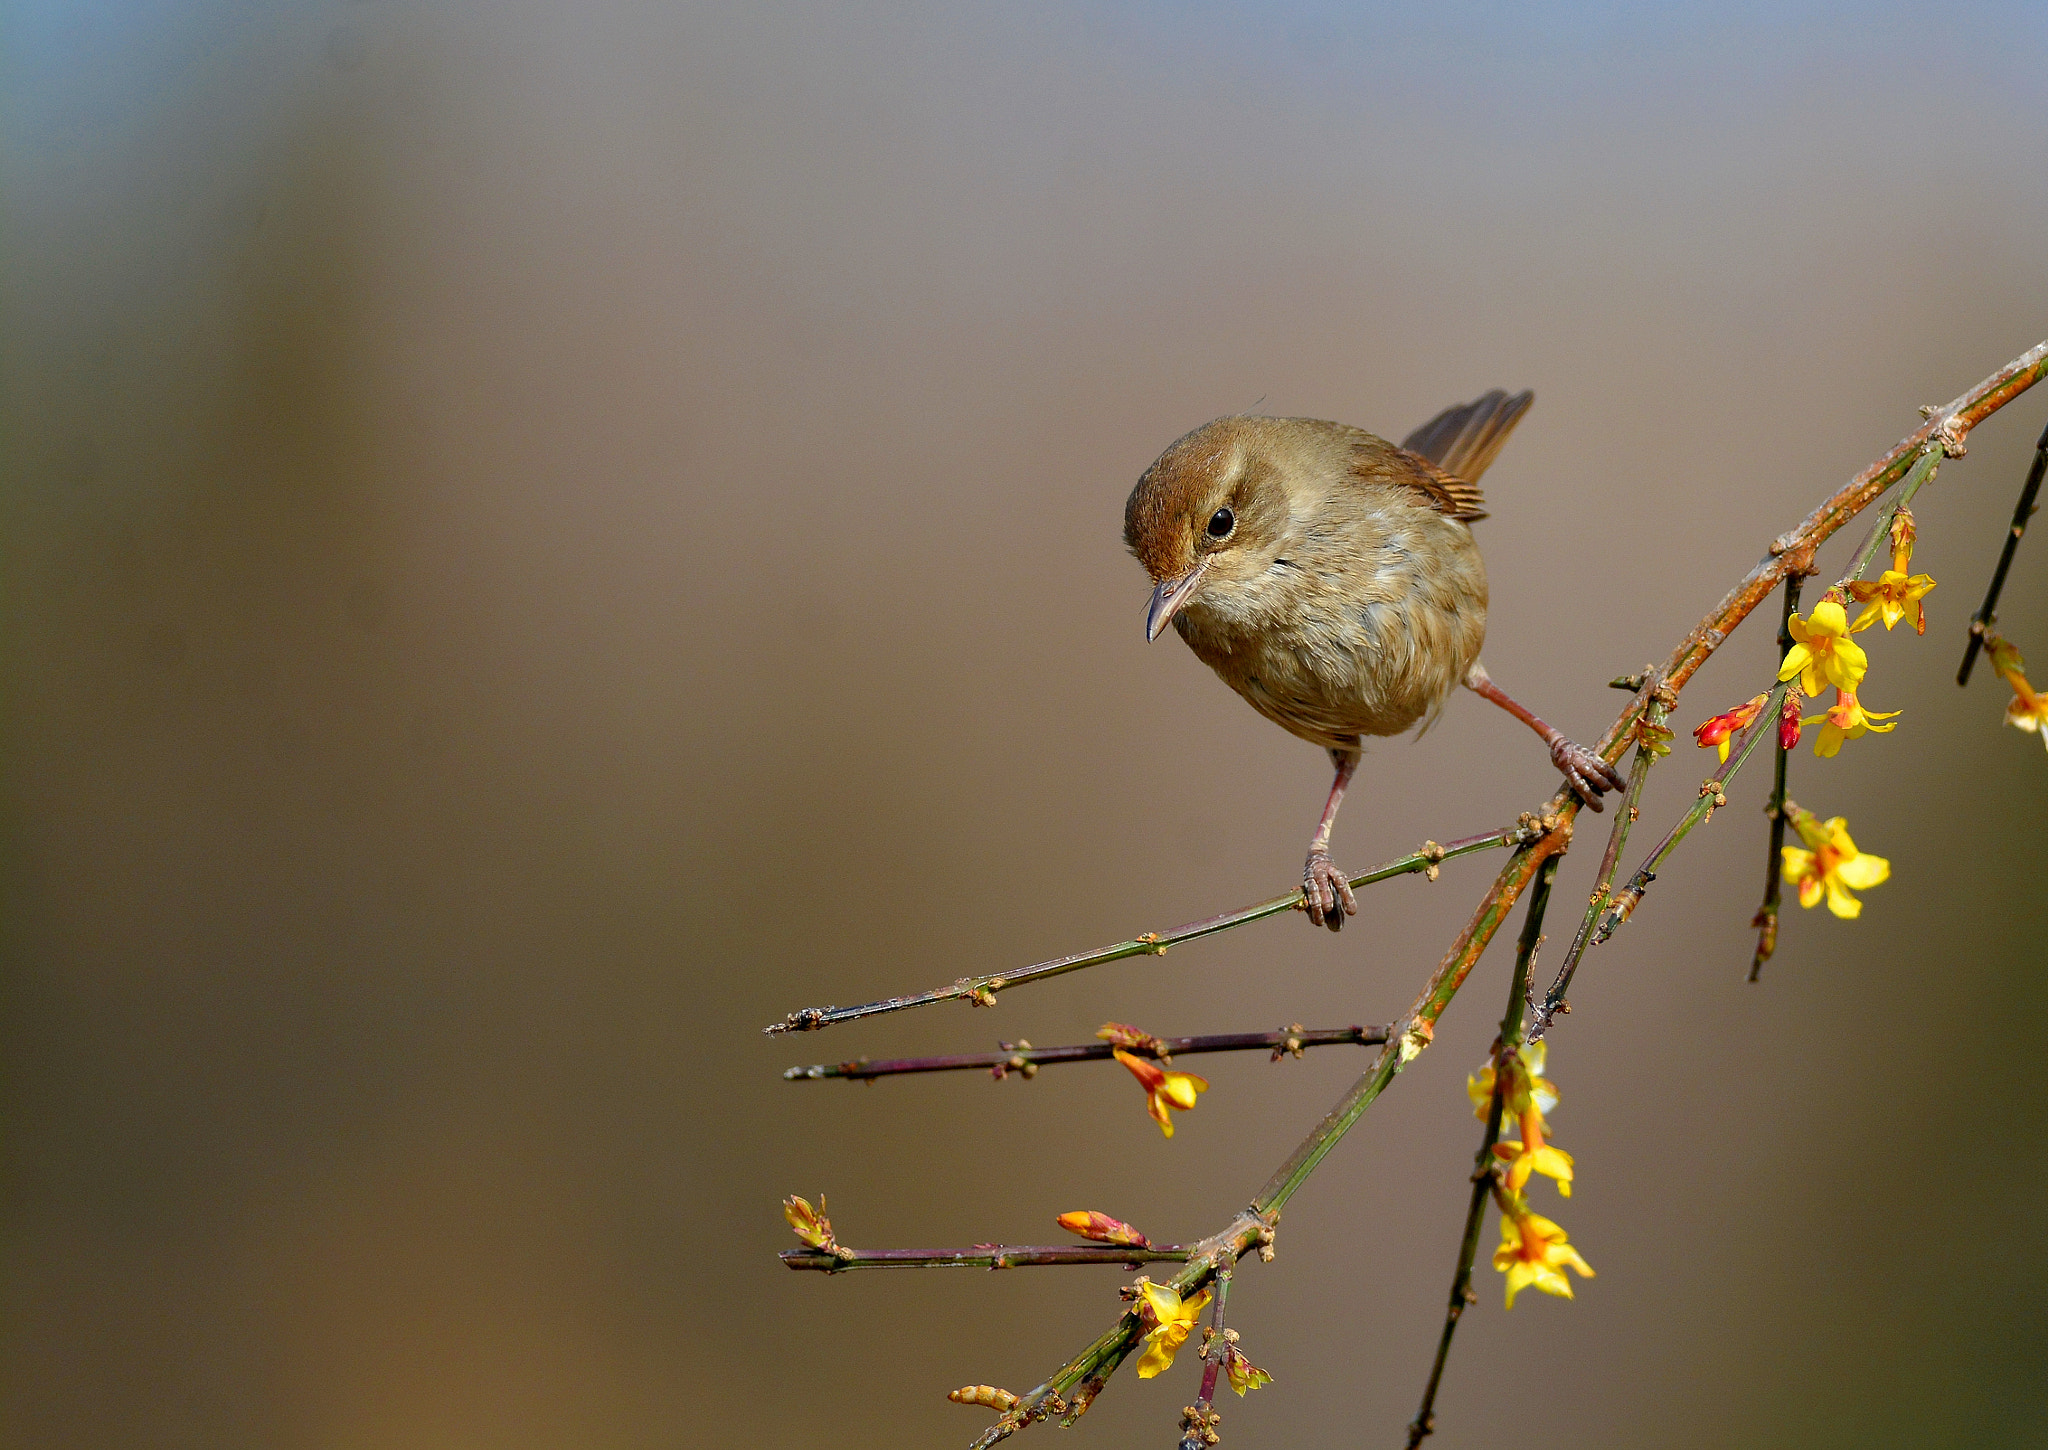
[[1102, 1228], [1717, 730], [1904, 531]]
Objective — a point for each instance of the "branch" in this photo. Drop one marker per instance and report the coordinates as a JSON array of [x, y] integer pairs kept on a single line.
[[982, 990], [1987, 614], [1650, 743], [1198, 1422], [1766, 919], [1483, 1171], [983, 1256], [1022, 1057]]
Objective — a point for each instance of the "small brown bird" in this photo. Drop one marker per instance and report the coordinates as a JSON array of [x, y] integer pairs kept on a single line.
[[1331, 579]]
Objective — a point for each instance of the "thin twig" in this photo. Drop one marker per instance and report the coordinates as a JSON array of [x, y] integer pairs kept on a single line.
[[1766, 919], [1483, 1170], [1286, 1041], [1922, 472], [1713, 795], [982, 990], [1198, 1423], [983, 1256], [1651, 737], [1987, 614]]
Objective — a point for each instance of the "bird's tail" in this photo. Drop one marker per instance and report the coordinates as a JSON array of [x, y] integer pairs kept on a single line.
[[1463, 440]]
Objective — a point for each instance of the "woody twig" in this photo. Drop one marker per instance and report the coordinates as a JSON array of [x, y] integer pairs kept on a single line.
[[1024, 1060], [1650, 744], [1766, 919], [1987, 613]]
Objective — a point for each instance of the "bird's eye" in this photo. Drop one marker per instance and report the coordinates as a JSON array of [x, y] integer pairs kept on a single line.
[[1221, 523]]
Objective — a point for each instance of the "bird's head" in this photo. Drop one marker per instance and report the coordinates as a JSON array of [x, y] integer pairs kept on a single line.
[[1212, 508]]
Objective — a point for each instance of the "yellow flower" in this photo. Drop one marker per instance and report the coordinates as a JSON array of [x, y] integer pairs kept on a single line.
[[1522, 1160], [1824, 654], [1533, 1252], [1527, 1096], [1526, 1085], [1172, 1319], [1891, 596], [2027, 709], [1832, 866], [1846, 720], [1163, 1089]]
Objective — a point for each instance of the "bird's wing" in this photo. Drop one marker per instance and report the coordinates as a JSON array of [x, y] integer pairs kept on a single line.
[[1374, 460], [1463, 440], [1447, 494]]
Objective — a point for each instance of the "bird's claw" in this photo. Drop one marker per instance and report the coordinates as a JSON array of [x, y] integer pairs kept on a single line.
[[1326, 891], [1588, 775]]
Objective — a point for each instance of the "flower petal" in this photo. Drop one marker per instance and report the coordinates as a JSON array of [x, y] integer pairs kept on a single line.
[[1521, 1274], [1160, 1302]]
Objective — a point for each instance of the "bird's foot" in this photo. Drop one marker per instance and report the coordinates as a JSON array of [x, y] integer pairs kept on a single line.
[[1326, 891], [1587, 773]]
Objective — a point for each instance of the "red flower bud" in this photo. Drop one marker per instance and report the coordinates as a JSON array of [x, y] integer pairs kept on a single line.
[[1788, 718]]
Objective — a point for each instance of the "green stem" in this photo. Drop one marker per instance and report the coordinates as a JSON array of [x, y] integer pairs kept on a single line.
[[1414, 1033], [1424, 1423], [1152, 944], [1921, 472], [1713, 795], [1657, 712]]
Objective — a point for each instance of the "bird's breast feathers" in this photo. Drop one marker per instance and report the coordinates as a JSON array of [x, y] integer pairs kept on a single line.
[[1362, 622]]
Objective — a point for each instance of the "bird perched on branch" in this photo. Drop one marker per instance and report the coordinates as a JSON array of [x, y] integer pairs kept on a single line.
[[1332, 580]]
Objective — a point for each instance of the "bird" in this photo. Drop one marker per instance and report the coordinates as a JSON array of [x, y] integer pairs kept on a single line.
[[1331, 578]]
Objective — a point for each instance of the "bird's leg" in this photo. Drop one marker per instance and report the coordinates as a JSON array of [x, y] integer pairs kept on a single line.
[[1588, 774], [1325, 889]]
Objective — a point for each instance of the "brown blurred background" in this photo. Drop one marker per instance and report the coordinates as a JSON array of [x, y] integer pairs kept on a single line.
[[540, 538]]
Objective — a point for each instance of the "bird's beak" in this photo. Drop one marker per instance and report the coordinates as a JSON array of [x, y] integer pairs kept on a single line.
[[1169, 596]]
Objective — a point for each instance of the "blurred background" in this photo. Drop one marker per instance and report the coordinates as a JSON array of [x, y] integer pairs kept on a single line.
[[540, 538]]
